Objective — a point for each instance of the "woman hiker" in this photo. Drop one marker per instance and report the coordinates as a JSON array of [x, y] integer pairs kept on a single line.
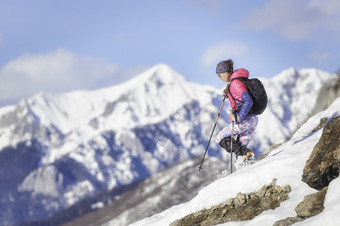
[[241, 103]]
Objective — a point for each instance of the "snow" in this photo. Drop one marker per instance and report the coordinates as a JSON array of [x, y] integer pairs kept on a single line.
[[80, 189], [97, 205], [45, 181], [286, 164]]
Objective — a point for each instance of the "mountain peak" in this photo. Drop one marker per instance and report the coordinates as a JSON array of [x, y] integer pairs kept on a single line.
[[292, 75], [160, 73], [161, 67]]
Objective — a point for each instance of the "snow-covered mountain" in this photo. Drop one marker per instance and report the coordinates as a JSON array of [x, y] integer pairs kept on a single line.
[[286, 164], [56, 150]]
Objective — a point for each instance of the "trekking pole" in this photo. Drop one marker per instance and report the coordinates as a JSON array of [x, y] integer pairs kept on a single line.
[[218, 115], [231, 144]]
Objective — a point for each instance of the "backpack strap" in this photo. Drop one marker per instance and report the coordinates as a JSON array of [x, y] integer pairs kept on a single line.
[[241, 79]]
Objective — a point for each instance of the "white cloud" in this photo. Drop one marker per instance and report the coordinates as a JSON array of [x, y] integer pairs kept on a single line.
[[229, 49], [296, 19], [59, 71]]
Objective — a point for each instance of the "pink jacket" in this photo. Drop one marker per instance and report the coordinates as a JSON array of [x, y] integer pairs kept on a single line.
[[239, 91]]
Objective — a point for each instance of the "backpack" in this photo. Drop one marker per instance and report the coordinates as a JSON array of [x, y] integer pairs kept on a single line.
[[257, 92]]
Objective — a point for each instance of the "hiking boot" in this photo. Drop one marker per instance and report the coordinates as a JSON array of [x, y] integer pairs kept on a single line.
[[244, 160], [242, 151], [249, 156], [225, 143]]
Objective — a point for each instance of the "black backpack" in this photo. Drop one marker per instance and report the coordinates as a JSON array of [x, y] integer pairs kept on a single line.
[[257, 92]]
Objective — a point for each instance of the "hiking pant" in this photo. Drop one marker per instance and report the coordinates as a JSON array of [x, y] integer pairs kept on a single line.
[[244, 130]]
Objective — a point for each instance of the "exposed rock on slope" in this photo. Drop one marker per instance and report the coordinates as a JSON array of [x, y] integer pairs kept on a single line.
[[242, 207], [323, 164], [311, 206], [321, 168]]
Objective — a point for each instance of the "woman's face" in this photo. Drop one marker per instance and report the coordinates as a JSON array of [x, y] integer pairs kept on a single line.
[[224, 76]]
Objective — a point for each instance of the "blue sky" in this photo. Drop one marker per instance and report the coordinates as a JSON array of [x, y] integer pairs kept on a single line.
[[58, 46]]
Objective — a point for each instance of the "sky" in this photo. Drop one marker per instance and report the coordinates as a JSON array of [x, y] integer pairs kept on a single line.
[[61, 46]]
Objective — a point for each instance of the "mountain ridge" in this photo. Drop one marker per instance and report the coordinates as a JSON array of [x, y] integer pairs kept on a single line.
[[92, 141]]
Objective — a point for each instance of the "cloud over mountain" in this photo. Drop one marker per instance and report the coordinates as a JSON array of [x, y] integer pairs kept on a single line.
[[56, 72]]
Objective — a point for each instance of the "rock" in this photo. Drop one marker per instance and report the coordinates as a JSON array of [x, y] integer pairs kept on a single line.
[[321, 124], [288, 221], [287, 189], [323, 164], [262, 192], [240, 200], [241, 208], [312, 204]]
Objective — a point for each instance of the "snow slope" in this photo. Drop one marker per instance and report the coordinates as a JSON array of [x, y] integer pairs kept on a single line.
[[286, 164]]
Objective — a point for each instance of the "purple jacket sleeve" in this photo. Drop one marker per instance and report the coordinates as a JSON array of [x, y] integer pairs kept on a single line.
[[246, 106]]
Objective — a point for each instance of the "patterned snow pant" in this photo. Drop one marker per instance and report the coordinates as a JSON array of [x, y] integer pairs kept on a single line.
[[244, 130]]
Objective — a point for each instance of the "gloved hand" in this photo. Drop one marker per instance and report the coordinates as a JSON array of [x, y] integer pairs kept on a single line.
[[225, 92], [233, 117]]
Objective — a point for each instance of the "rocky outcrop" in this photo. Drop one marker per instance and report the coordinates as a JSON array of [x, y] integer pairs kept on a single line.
[[323, 164], [311, 206], [321, 168], [288, 221], [241, 208]]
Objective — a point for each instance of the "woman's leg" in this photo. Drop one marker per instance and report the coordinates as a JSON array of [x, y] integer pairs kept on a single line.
[[225, 132], [247, 128]]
